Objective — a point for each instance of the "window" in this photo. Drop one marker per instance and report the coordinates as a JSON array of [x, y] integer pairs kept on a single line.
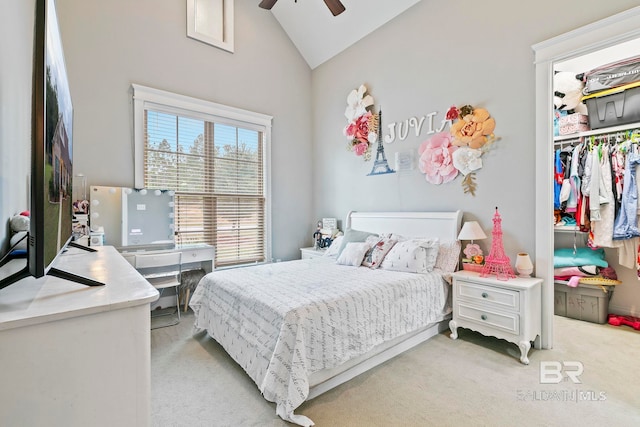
[[216, 159]]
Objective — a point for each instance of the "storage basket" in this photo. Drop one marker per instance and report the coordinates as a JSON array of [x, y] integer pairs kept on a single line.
[[614, 107], [585, 302]]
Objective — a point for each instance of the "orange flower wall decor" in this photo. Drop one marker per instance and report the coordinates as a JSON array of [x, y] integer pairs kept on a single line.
[[474, 127], [470, 136]]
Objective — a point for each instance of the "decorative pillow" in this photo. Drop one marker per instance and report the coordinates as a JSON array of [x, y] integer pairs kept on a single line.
[[412, 256], [380, 246], [448, 256], [333, 248], [353, 253], [564, 257], [351, 235]]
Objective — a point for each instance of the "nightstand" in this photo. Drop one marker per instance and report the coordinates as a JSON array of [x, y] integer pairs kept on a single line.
[[311, 252], [506, 309]]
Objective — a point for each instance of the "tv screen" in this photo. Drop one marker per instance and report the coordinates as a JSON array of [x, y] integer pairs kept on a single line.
[[51, 207], [52, 150]]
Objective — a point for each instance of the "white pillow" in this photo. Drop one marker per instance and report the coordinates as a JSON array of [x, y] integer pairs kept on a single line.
[[334, 247], [353, 253], [380, 246], [412, 256]]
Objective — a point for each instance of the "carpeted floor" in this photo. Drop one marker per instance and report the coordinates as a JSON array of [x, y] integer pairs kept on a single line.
[[473, 381]]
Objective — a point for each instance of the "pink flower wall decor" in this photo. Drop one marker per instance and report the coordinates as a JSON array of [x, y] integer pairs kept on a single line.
[[362, 125], [436, 158]]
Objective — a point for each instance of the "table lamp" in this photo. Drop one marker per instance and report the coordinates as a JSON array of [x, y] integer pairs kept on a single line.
[[471, 230]]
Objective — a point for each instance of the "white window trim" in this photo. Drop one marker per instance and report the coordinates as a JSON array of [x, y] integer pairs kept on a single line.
[[146, 97]]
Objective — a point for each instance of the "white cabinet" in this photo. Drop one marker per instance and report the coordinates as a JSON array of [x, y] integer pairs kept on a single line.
[[311, 252], [74, 355], [507, 309]]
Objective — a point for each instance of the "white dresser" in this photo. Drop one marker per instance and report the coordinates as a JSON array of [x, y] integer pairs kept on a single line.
[[75, 355], [507, 309]]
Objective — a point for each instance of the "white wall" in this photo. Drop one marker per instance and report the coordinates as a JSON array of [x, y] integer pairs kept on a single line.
[[16, 46], [110, 44], [435, 55]]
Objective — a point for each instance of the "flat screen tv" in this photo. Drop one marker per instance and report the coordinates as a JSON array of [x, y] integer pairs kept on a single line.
[[51, 207]]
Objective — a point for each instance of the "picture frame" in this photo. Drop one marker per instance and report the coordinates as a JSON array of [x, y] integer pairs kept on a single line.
[[329, 223], [211, 22]]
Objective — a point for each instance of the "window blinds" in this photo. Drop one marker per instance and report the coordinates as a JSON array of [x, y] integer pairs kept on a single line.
[[217, 172]]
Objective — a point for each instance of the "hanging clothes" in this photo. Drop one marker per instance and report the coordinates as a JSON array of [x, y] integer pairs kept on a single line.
[[603, 229], [574, 180], [558, 177], [626, 223]]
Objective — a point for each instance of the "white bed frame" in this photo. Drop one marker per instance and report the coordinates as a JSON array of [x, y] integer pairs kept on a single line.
[[443, 225]]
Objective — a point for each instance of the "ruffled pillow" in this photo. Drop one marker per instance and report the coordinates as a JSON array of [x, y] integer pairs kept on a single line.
[[448, 256], [380, 246], [412, 256]]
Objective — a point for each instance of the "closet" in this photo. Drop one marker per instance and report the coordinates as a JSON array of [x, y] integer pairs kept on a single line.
[[583, 49], [593, 207]]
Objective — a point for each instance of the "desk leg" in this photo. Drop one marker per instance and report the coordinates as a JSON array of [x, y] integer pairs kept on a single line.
[[186, 299]]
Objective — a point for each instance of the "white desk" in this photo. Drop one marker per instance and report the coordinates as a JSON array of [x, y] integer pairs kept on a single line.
[[193, 256], [75, 355]]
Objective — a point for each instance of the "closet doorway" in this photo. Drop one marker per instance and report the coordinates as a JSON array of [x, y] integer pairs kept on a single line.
[[606, 38]]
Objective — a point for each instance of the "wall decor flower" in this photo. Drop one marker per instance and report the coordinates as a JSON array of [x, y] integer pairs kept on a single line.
[[446, 154], [362, 126], [436, 158]]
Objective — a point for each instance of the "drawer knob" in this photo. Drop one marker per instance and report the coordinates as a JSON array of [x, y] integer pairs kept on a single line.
[[483, 317], [485, 295]]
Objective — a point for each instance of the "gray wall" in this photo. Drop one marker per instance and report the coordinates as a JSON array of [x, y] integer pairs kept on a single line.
[[111, 44], [16, 46], [438, 54]]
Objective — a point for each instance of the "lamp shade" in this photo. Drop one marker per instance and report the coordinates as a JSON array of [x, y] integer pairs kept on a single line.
[[471, 230]]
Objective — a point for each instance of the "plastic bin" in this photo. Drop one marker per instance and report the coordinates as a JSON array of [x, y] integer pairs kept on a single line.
[[614, 107], [586, 302]]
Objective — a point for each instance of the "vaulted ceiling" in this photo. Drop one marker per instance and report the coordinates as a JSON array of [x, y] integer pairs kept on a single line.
[[319, 35]]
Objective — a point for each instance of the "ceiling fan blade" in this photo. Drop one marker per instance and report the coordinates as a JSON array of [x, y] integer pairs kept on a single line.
[[335, 6], [267, 4]]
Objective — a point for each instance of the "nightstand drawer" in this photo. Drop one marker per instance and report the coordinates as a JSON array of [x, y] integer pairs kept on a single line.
[[502, 298], [508, 322]]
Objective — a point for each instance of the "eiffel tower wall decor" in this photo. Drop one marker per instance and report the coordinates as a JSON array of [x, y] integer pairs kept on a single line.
[[497, 262], [380, 165]]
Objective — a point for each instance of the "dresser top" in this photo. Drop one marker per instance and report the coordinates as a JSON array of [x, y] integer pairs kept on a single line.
[[517, 282], [32, 301]]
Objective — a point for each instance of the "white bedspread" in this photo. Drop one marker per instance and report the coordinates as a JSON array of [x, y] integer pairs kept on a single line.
[[283, 321]]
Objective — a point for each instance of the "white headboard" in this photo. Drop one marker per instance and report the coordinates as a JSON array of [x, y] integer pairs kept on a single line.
[[443, 225]]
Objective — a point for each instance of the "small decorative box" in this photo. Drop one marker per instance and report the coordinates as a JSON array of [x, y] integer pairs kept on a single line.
[[472, 267], [571, 119], [573, 128]]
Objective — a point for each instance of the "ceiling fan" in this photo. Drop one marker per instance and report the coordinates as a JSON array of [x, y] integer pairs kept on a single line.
[[335, 6]]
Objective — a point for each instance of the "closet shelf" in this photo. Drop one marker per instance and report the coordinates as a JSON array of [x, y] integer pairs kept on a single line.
[[567, 229], [601, 131]]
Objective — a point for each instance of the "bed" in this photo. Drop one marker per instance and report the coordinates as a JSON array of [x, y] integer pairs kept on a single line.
[[300, 328]]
